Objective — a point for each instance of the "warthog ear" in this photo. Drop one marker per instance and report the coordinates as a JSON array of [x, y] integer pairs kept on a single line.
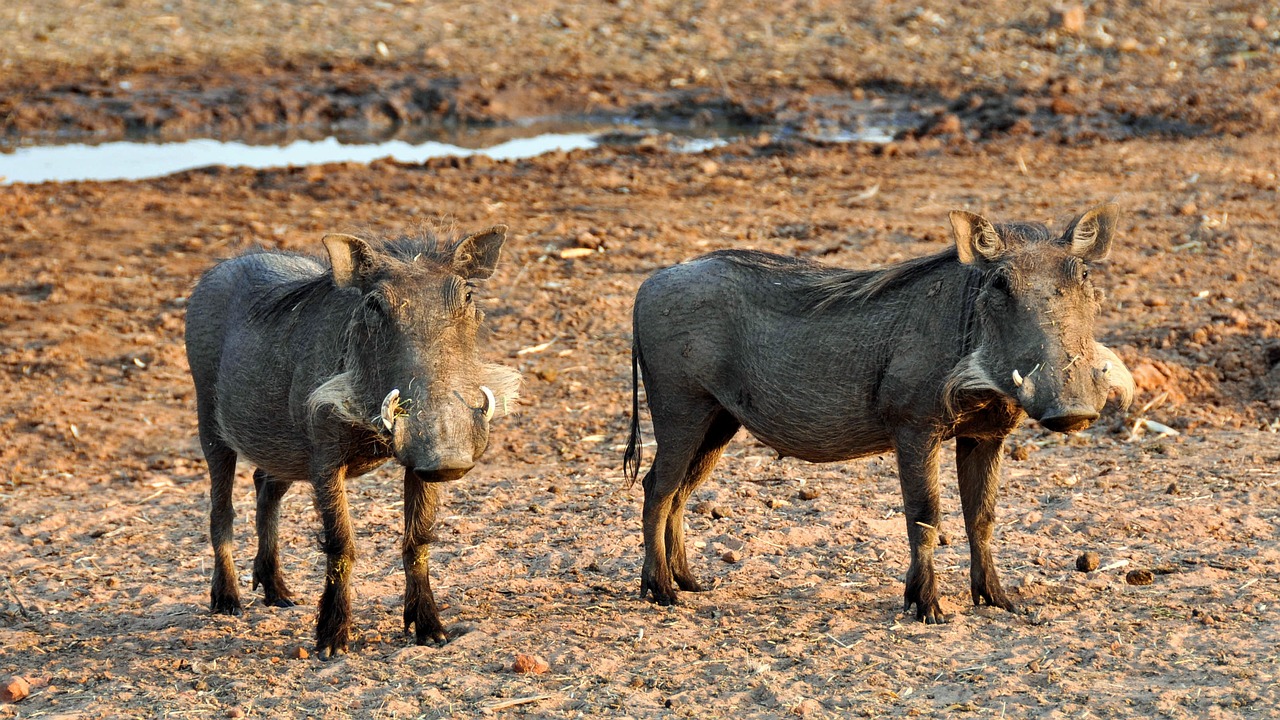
[[352, 259], [1090, 235], [476, 256], [975, 237]]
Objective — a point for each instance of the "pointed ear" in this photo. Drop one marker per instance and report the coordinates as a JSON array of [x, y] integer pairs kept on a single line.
[[975, 237], [476, 256], [1089, 237], [352, 259]]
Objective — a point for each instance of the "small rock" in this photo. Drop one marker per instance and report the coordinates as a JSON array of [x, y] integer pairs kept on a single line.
[[300, 653], [719, 512], [807, 707], [1172, 489], [1020, 452], [1088, 562], [1188, 208], [1068, 18], [1063, 106], [14, 689], [1257, 22], [530, 664], [200, 685], [809, 493], [709, 167], [733, 557], [1140, 577], [235, 713], [947, 124], [704, 507]]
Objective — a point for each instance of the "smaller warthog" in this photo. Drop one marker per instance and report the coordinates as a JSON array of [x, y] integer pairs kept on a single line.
[[322, 372], [826, 364]]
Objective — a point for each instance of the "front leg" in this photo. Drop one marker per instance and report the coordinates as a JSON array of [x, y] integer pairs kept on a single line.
[[334, 625], [918, 473], [978, 468], [420, 500]]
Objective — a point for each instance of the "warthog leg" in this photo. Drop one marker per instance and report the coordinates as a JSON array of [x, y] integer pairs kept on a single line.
[[704, 461], [420, 501], [978, 468], [334, 624], [921, 501], [224, 596], [266, 566], [688, 447]]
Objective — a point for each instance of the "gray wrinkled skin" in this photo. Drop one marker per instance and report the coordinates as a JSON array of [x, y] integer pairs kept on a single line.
[[826, 364], [318, 372]]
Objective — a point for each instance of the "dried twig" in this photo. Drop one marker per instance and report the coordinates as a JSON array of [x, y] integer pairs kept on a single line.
[[513, 702]]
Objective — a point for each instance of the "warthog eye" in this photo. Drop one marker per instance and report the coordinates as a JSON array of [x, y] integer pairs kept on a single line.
[[1000, 282]]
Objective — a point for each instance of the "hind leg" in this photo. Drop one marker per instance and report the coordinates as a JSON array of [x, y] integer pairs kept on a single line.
[[224, 597], [266, 566], [723, 427], [679, 438]]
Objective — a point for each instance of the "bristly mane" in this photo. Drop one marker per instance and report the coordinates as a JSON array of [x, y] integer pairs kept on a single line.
[[858, 286], [281, 301]]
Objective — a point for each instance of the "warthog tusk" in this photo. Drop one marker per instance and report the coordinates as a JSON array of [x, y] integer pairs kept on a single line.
[[1017, 378], [490, 403], [1106, 367], [390, 406]]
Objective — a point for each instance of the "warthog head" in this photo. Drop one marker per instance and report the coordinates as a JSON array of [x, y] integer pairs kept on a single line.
[[412, 372], [1035, 313]]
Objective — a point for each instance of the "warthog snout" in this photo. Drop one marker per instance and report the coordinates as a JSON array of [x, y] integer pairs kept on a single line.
[[446, 470], [1068, 420]]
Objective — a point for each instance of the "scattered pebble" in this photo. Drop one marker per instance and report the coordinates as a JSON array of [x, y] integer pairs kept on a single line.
[[720, 512], [300, 653], [1172, 489], [14, 689], [809, 493], [1088, 561], [807, 707], [1257, 22], [235, 713], [1187, 208], [732, 557], [1068, 18], [1140, 577], [530, 664]]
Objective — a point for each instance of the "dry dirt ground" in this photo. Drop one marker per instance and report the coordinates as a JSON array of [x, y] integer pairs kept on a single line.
[[1164, 107]]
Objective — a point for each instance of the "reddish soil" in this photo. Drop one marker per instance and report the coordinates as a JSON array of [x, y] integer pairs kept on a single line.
[[103, 540]]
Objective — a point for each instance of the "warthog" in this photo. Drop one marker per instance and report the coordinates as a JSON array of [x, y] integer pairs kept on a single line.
[[320, 373], [826, 364]]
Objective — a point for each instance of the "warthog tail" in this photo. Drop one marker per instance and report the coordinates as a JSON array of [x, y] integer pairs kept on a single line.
[[631, 458]]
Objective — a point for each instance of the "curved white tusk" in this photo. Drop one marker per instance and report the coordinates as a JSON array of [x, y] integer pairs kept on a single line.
[[1017, 378], [490, 403], [1106, 367], [390, 405]]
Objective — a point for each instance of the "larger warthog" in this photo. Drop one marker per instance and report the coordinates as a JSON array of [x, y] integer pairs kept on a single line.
[[827, 364], [322, 372]]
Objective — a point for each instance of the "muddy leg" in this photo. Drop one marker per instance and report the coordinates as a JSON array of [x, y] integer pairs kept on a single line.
[[660, 485], [978, 467], [334, 624], [722, 431], [266, 566], [420, 500], [224, 596], [918, 472]]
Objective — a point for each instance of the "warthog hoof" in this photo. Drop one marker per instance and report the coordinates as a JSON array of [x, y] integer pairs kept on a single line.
[[225, 605]]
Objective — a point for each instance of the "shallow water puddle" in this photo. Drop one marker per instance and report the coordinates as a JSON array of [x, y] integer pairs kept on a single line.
[[135, 161], [129, 160]]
